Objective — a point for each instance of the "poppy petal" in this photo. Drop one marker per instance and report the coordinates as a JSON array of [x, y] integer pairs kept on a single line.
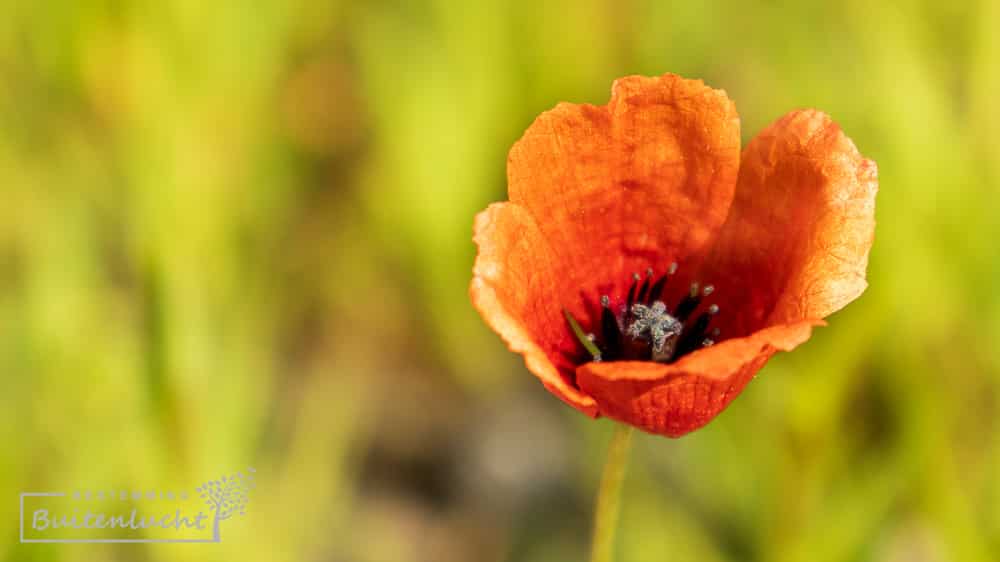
[[644, 180], [514, 289], [676, 398], [796, 242]]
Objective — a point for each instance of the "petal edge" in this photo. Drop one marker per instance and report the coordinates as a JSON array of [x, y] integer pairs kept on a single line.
[[510, 288], [674, 399]]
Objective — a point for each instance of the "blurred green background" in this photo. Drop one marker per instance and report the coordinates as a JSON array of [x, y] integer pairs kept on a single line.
[[239, 233]]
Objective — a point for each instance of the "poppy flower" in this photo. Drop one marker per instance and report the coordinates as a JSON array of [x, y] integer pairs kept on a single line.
[[646, 269]]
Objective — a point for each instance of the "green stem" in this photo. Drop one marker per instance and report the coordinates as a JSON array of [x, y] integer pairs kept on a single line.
[[609, 495]]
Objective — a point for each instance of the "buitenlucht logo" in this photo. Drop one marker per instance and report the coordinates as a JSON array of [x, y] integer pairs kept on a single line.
[[136, 516]]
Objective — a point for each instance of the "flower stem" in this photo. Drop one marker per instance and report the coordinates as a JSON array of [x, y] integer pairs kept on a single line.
[[609, 495]]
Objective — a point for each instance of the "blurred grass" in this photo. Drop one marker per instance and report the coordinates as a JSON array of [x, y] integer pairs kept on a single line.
[[236, 235]]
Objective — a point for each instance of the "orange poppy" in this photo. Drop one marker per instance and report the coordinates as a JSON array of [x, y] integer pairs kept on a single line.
[[646, 270]]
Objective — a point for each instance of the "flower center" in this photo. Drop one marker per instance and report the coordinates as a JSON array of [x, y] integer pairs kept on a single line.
[[645, 328], [658, 328]]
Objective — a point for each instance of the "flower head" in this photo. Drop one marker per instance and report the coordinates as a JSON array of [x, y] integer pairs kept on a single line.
[[647, 270]]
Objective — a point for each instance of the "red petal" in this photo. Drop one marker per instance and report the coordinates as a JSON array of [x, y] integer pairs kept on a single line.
[[514, 288], [796, 242], [643, 181], [673, 399]]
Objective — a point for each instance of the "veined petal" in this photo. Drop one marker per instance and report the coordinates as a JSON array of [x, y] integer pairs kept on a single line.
[[674, 399], [514, 288], [796, 242], [644, 180]]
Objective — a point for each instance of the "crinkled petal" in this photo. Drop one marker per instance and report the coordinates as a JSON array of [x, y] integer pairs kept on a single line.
[[674, 399], [645, 180], [796, 242], [514, 288]]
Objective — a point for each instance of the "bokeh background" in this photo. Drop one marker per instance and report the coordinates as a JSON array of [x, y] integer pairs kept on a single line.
[[238, 233]]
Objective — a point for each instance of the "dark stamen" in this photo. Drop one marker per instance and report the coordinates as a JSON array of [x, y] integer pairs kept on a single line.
[[694, 334], [631, 292], [688, 303], [610, 331], [644, 292], [657, 291]]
